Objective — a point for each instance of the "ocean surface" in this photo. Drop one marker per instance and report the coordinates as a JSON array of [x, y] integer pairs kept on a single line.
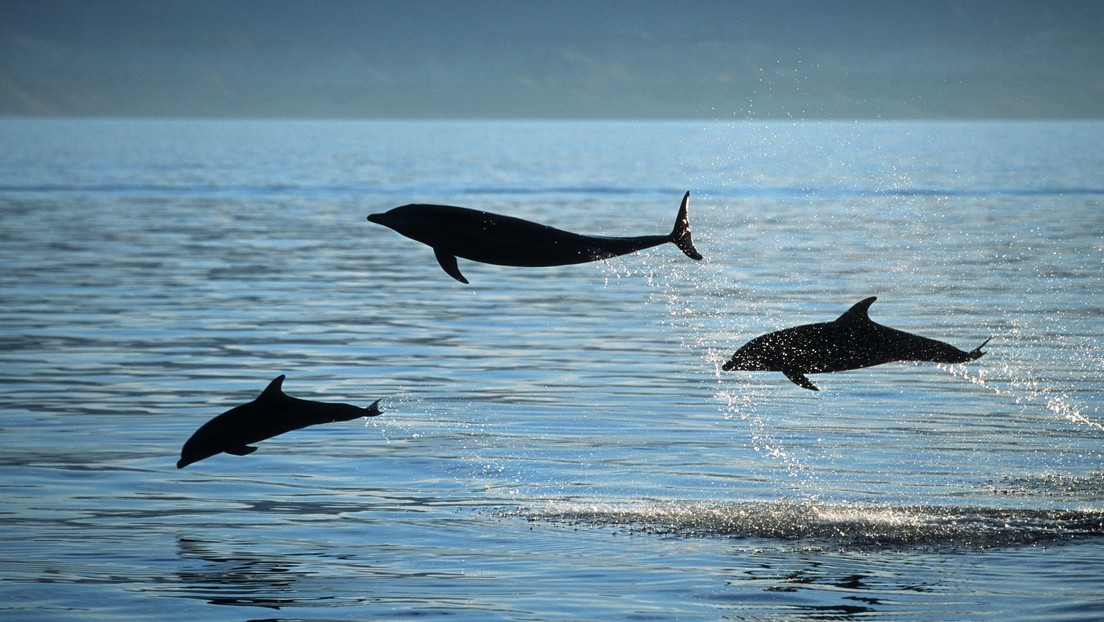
[[556, 443]]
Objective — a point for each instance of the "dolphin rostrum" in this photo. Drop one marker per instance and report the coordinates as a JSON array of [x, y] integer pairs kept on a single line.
[[507, 241], [271, 414], [852, 341]]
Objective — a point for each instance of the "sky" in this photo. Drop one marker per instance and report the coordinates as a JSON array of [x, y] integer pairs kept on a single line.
[[593, 59]]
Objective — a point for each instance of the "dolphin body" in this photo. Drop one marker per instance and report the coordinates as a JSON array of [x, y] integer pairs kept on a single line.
[[507, 241], [852, 341], [271, 414]]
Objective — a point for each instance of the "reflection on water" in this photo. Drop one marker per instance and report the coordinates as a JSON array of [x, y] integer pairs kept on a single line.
[[236, 577]]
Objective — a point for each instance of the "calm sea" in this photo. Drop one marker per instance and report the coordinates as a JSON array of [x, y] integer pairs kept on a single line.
[[557, 443]]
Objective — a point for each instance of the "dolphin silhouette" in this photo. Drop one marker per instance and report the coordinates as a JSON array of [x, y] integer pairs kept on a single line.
[[852, 341], [507, 241], [271, 414]]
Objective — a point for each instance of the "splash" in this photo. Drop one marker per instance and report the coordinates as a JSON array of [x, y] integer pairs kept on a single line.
[[1025, 388], [685, 296]]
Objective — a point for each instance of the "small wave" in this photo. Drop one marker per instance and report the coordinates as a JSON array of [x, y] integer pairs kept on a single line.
[[986, 192], [570, 190], [846, 526], [165, 189], [844, 192]]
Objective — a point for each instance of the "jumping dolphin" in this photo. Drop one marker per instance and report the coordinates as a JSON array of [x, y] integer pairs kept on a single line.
[[271, 414], [507, 241], [850, 342]]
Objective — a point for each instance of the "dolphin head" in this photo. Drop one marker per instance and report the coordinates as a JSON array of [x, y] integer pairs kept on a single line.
[[198, 447], [215, 436], [427, 224], [759, 354], [385, 218], [411, 216]]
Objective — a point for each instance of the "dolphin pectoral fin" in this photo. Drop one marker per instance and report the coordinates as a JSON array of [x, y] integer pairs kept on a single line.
[[799, 379], [448, 264], [240, 450]]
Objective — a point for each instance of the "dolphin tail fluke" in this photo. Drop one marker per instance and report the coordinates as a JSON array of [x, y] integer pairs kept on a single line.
[[681, 233], [373, 410], [976, 353]]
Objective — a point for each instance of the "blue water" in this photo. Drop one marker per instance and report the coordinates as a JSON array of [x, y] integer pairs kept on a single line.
[[557, 443]]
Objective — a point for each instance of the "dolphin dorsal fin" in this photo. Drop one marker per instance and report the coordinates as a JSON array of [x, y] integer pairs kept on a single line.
[[858, 313], [274, 389]]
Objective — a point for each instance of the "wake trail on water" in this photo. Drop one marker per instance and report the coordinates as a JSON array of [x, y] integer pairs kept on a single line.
[[822, 525]]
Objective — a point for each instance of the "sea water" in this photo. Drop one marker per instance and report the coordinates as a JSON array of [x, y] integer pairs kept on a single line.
[[557, 443]]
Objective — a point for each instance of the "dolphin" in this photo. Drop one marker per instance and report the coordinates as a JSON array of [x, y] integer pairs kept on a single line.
[[507, 241], [852, 341], [271, 414]]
